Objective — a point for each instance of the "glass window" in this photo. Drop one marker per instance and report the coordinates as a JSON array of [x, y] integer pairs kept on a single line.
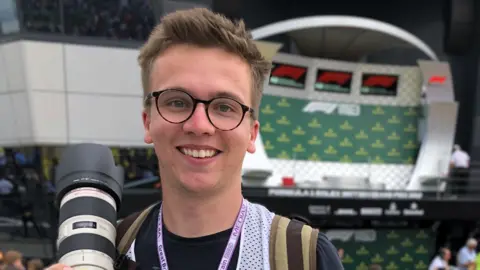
[[42, 16], [8, 17]]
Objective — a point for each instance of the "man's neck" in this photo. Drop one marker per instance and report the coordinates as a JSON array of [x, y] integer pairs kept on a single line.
[[191, 217]]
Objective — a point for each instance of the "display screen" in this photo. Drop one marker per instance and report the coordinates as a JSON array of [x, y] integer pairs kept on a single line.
[[288, 75], [333, 81], [379, 84]]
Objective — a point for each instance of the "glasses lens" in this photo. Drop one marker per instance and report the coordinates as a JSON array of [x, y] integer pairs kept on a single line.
[[174, 106], [225, 113]]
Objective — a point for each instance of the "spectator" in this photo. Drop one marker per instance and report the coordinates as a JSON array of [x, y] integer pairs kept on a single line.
[[466, 255], [341, 253], [459, 170], [441, 260], [13, 260], [460, 158], [6, 186], [35, 264]]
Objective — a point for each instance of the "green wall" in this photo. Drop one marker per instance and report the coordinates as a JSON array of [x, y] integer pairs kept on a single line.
[[392, 249], [338, 132]]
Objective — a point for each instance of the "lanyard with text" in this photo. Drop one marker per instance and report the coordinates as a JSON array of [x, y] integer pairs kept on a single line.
[[227, 254]]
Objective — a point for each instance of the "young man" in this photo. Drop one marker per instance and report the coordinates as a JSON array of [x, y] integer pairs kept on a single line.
[[202, 76]]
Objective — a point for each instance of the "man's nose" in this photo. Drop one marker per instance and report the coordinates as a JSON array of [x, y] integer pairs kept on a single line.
[[198, 123]]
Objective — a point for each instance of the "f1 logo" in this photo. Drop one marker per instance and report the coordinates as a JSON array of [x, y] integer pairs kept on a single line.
[[289, 71], [339, 78], [437, 80], [384, 81]]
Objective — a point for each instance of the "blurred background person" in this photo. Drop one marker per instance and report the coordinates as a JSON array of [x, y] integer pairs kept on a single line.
[[35, 264], [6, 186], [341, 253], [459, 170], [466, 255], [441, 261], [13, 260]]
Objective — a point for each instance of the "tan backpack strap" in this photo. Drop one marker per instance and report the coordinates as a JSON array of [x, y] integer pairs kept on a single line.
[[273, 241], [127, 239], [279, 242], [293, 245], [313, 248]]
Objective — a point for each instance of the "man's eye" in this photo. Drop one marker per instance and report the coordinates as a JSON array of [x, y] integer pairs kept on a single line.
[[224, 108], [176, 103]]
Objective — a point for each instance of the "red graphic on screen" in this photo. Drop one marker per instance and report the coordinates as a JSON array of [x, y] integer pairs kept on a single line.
[[289, 71], [384, 81], [339, 78], [437, 79]]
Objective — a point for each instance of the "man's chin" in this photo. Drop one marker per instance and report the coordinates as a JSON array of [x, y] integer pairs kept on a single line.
[[199, 185]]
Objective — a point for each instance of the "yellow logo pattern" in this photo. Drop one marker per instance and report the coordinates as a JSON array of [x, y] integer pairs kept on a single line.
[[294, 128], [392, 249]]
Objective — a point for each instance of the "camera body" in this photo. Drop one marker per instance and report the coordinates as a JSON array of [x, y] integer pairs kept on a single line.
[[89, 194]]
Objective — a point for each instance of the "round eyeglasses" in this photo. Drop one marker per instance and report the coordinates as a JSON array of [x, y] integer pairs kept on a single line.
[[177, 106]]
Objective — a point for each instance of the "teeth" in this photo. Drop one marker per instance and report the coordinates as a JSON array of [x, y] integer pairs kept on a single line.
[[202, 153]]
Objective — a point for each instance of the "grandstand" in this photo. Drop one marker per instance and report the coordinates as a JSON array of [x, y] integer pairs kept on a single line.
[[361, 150]]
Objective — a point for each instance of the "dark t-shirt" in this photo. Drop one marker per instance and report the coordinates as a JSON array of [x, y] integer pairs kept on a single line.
[[204, 253]]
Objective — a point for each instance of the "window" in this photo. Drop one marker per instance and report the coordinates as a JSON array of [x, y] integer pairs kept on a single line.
[[333, 81], [379, 84], [288, 75]]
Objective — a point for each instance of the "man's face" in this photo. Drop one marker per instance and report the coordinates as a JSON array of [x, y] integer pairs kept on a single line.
[[204, 74]]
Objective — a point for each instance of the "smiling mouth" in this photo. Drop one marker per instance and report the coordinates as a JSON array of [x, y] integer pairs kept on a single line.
[[198, 153]]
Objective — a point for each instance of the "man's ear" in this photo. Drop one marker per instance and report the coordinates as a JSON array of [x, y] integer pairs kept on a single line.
[[146, 124], [253, 136]]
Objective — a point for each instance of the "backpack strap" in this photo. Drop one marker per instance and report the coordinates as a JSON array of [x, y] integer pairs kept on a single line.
[[293, 245], [127, 231]]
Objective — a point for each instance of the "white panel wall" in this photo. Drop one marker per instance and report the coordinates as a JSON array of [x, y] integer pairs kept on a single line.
[[44, 66], [15, 123], [12, 54], [23, 120], [111, 120], [53, 93], [104, 95], [102, 71], [49, 117], [8, 131]]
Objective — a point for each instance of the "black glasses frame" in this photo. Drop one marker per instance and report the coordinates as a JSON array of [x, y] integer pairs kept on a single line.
[[156, 95]]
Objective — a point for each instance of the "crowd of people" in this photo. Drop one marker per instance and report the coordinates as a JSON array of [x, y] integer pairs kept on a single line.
[[13, 260], [467, 258], [117, 19]]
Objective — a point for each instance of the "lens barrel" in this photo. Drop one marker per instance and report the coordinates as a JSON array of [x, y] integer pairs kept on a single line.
[[89, 192]]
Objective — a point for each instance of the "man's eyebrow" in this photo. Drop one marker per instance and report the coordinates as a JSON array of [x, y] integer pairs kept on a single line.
[[220, 94], [227, 94]]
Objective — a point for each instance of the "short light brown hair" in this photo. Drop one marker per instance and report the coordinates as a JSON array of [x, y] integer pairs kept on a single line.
[[206, 29]]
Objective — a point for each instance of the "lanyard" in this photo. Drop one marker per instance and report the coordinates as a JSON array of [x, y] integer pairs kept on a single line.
[[227, 254]]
